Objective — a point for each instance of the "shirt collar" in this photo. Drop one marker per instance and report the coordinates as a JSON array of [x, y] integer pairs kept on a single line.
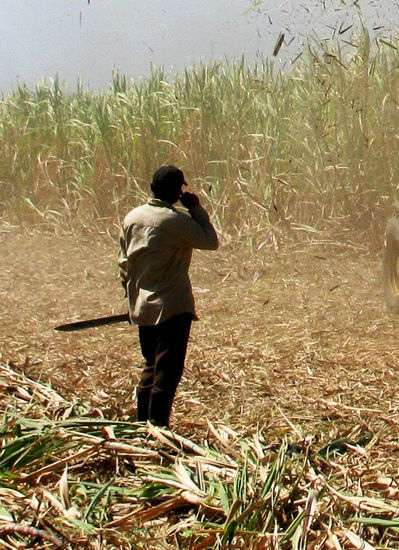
[[158, 202]]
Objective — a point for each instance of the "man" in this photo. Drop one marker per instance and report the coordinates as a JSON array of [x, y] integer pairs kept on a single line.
[[156, 245]]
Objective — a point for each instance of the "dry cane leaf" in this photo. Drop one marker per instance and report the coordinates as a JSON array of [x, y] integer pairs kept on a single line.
[[357, 541], [108, 432], [24, 394], [310, 509], [29, 531], [183, 476], [63, 489], [332, 542], [161, 509]]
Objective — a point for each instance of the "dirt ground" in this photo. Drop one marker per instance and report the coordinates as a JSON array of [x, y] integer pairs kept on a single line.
[[291, 341]]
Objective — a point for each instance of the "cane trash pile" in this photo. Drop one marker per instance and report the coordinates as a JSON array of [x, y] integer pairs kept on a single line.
[[73, 479]]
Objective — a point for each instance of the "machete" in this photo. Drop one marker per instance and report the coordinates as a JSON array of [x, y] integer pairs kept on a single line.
[[98, 322]]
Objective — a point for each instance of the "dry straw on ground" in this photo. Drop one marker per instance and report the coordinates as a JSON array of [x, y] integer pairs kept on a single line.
[[285, 424]]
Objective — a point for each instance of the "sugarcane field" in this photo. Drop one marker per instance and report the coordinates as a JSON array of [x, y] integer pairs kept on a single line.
[[284, 429]]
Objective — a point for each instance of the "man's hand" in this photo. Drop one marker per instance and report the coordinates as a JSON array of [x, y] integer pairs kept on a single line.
[[189, 200]]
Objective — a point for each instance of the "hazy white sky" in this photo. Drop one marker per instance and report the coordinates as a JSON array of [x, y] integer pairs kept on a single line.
[[91, 38]]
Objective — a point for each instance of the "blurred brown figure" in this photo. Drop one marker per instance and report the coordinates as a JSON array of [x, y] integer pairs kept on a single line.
[[156, 245]]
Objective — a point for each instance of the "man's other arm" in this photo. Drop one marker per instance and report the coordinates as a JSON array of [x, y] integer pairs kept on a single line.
[[122, 261]]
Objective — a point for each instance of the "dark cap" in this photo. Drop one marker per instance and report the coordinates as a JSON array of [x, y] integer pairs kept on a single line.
[[168, 175]]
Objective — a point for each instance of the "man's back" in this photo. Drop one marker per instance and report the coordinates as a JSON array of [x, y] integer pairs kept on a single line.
[[156, 248]]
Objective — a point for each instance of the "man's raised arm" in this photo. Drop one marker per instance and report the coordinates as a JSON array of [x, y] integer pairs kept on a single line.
[[198, 231]]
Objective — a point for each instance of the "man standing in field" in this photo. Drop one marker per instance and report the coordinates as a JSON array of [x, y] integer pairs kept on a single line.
[[156, 245]]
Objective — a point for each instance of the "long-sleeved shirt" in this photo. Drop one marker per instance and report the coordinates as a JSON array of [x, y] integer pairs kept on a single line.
[[156, 244]]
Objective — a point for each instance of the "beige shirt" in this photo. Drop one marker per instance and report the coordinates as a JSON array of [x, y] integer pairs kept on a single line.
[[156, 244]]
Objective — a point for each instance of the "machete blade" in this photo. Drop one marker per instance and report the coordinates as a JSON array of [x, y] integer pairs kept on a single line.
[[90, 323]]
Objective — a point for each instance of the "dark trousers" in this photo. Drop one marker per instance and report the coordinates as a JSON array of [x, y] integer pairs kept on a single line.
[[164, 349]]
